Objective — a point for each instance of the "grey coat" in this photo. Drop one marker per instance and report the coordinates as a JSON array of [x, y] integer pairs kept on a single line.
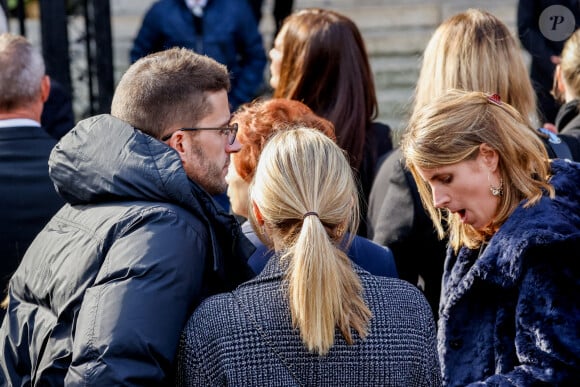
[[245, 338]]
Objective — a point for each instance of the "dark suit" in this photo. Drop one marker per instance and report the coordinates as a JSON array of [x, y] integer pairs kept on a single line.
[[27, 196]]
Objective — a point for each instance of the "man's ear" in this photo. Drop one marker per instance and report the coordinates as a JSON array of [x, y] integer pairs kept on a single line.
[[177, 142], [257, 214], [44, 88], [489, 157]]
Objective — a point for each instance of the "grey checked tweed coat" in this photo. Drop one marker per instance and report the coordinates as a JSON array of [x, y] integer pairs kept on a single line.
[[245, 338]]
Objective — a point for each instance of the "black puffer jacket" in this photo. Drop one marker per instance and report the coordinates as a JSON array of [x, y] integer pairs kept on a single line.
[[104, 290]]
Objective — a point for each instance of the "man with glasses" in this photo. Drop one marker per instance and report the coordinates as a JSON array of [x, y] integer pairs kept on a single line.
[[103, 292]]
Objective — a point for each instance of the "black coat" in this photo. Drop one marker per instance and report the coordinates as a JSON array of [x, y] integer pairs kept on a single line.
[[568, 124], [398, 220], [378, 143], [542, 48]]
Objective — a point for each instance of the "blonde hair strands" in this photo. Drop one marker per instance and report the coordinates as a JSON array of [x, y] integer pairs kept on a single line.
[[302, 171]]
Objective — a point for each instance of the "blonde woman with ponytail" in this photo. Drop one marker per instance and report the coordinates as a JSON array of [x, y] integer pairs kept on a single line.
[[311, 317]]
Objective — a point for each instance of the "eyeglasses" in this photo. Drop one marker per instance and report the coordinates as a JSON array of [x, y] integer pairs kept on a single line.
[[229, 131]]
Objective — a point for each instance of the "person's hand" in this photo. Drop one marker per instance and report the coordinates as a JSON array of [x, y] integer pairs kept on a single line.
[[555, 59], [551, 127]]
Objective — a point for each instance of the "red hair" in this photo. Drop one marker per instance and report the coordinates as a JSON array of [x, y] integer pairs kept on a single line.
[[259, 120]]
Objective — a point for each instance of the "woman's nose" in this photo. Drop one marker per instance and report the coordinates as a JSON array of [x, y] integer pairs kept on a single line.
[[440, 198]]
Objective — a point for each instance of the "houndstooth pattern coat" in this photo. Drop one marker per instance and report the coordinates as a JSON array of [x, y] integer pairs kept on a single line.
[[245, 338]]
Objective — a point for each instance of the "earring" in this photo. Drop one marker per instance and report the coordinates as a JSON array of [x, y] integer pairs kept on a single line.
[[497, 191], [339, 230]]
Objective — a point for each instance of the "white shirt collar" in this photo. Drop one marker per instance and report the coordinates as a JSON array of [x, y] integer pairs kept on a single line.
[[196, 6], [12, 122]]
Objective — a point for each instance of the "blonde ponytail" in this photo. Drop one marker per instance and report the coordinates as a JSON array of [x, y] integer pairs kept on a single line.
[[324, 291], [302, 171]]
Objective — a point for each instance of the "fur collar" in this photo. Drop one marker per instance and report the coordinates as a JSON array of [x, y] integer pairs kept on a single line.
[[547, 222]]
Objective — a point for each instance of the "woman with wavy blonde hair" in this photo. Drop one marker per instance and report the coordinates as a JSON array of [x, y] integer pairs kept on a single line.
[[472, 50], [509, 305], [311, 316]]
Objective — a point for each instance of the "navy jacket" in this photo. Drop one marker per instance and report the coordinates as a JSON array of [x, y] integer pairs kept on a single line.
[[376, 259], [510, 314], [27, 196], [227, 32], [105, 289], [246, 338]]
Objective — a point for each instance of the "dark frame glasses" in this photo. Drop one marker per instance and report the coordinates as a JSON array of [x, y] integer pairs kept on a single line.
[[230, 131]]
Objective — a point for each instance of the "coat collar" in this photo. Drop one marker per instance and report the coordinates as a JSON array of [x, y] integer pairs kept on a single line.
[[275, 270]]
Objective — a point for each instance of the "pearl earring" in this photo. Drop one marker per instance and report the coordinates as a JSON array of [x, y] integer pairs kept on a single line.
[[497, 191]]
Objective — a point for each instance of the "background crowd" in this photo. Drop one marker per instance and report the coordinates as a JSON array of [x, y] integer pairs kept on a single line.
[[222, 227]]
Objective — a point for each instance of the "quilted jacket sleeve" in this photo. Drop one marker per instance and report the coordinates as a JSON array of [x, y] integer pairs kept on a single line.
[[130, 320]]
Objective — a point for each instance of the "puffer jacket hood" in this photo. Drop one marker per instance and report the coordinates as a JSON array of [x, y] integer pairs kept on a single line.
[[90, 166]]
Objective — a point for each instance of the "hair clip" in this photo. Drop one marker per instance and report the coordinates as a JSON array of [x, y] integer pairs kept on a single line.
[[495, 99]]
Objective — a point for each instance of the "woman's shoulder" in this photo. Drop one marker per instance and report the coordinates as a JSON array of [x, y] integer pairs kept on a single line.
[[379, 137], [392, 295], [371, 256], [212, 309]]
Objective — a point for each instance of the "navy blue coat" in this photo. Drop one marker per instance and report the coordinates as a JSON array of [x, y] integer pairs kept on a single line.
[[229, 35], [105, 289], [374, 258], [27, 196], [511, 316]]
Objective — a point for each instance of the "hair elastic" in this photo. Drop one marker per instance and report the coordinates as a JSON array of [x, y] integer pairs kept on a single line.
[[494, 99], [310, 213]]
